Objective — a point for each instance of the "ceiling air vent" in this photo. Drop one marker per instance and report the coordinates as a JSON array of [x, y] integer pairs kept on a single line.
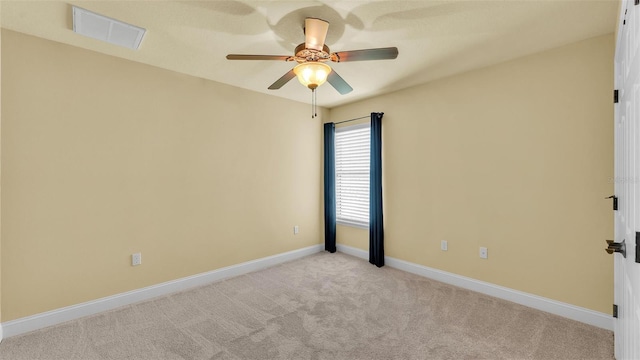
[[100, 27]]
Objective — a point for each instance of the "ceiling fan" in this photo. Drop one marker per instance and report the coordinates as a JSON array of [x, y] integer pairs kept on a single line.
[[312, 55]]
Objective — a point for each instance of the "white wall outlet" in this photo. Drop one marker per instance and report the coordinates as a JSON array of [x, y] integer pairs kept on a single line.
[[136, 259], [296, 229], [443, 245], [484, 253]]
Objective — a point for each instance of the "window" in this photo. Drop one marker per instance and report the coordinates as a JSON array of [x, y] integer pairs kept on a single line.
[[352, 175]]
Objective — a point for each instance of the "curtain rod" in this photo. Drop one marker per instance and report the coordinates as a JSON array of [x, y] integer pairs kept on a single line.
[[360, 118]]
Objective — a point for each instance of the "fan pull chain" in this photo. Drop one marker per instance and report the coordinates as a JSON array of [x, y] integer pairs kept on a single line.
[[314, 102]]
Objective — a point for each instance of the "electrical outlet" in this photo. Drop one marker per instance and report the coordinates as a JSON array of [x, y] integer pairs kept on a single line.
[[443, 245], [484, 253], [136, 259], [296, 230]]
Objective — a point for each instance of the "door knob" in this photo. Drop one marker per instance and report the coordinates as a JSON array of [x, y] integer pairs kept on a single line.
[[616, 247]]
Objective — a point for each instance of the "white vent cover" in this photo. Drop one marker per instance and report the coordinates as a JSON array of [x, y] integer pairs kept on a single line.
[[100, 27]]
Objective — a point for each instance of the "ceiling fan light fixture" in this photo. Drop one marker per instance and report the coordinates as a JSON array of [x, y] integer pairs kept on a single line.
[[312, 74]]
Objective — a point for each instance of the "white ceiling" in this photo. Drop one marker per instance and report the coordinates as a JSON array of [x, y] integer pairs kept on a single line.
[[434, 38]]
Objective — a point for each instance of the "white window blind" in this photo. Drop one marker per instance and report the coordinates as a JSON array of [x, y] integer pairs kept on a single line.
[[352, 175]]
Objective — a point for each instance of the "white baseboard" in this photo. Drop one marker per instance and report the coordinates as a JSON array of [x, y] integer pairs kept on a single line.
[[1, 335], [49, 318], [573, 312]]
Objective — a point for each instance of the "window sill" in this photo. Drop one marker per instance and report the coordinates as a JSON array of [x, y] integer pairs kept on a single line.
[[352, 224]]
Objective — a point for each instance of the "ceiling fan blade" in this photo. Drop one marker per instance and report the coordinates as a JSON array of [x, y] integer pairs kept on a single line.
[[283, 80], [257, 57], [338, 83], [315, 32], [367, 54]]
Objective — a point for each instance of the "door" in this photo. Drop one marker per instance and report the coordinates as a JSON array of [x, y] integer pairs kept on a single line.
[[627, 182]]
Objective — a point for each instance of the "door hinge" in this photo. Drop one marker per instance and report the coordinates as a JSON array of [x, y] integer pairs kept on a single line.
[[637, 2], [615, 96], [615, 311], [637, 247], [615, 201]]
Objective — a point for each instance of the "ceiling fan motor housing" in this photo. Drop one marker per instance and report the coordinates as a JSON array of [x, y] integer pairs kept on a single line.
[[304, 55]]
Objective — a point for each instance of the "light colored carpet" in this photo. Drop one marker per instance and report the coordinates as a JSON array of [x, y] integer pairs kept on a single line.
[[324, 306]]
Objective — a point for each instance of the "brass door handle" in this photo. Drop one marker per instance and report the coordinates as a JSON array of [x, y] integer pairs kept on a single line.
[[620, 247]]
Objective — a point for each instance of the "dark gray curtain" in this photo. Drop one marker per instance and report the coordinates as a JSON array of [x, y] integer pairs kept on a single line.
[[376, 230], [329, 188]]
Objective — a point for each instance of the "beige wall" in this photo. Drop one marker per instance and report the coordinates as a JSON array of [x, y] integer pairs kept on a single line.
[[516, 157], [103, 157]]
